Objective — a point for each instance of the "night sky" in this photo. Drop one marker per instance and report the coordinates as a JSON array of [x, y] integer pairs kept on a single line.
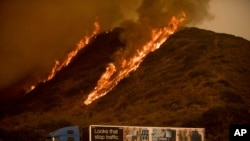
[[36, 33]]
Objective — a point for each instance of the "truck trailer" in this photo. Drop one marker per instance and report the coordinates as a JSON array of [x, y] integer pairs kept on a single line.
[[126, 133]]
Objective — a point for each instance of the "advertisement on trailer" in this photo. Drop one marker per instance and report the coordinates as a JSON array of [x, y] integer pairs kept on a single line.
[[143, 133]]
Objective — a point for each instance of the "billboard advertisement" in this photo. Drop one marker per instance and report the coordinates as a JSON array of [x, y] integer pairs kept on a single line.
[[142, 133]]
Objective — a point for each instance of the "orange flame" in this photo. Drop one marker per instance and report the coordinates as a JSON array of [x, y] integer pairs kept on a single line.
[[81, 44], [111, 76]]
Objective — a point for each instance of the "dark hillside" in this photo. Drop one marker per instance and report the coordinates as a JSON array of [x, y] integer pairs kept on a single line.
[[198, 78]]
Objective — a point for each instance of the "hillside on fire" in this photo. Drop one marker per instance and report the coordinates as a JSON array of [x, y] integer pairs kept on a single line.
[[197, 78]]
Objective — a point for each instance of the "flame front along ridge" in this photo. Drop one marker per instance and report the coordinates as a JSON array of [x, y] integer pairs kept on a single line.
[[59, 65], [112, 76]]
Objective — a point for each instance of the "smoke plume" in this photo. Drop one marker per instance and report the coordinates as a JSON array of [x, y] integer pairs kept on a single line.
[[154, 14]]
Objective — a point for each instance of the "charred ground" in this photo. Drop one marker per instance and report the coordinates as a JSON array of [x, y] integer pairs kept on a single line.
[[197, 78]]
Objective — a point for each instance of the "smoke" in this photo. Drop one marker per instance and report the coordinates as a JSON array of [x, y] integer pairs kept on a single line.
[[158, 12], [155, 14], [33, 34]]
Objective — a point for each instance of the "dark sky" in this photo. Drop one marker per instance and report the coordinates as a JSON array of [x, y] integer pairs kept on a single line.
[[33, 34]]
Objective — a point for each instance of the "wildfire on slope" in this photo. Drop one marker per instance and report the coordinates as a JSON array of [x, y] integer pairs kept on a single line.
[[59, 65], [82, 43], [114, 74]]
